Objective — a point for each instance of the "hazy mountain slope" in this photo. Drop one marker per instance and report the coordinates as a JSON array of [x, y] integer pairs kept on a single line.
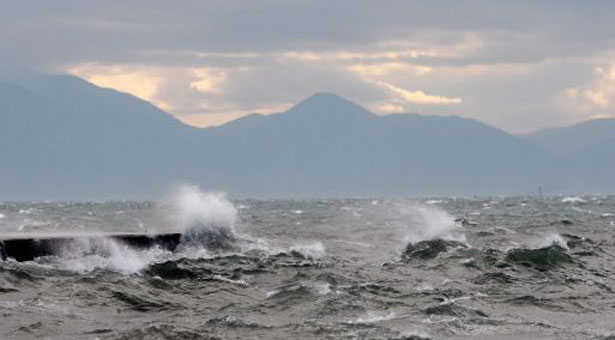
[[593, 167], [65, 138], [589, 150], [574, 138], [329, 145]]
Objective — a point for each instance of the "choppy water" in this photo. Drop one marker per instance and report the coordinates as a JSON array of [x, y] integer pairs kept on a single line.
[[508, 268]]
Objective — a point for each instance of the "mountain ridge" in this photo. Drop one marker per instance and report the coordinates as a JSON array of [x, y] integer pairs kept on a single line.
[[574, 138], [326, 145]]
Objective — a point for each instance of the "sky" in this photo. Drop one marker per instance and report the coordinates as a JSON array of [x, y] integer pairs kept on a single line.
[[516, 65]]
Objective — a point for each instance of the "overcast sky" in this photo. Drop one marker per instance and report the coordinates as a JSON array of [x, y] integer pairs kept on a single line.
[[517, 65]]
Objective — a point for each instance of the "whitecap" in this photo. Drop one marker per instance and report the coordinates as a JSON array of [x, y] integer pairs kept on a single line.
[[429, 222], [573, 199], [553, 240], [239, 282], [84, 255], [314, 250], [322, 288], [371, 317]]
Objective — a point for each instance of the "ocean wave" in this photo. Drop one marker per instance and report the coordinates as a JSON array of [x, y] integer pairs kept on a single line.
[[541, 259]]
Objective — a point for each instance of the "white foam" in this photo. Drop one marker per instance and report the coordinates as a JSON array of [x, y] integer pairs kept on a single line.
[[429, 222], [314, 250], [199, 213], [206, 220], [2, 216], [585, 211], [203, 209], [323, 288], [239, 282], [320, 288], [372, 317], [273, 293], [554, 239], [194, 252], [573, 199], [424, 288], [87, 254]]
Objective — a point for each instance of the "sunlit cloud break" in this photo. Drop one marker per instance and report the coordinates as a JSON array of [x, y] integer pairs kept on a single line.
[[418, 96]]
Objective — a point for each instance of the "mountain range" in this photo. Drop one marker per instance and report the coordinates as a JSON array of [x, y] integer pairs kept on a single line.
[[64, 138]]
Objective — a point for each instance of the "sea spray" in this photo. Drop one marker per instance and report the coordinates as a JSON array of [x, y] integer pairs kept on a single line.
[[553, 240], [430, 222], [312, 251], [413, 222], [85, 254], [206, 219], [254, 293], [426, 230], [205, 209], [206, 222]]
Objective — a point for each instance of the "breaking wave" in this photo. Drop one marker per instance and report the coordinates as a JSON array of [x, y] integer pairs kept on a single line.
[[315, 250], [430, 222], [206, 222], [427, 230], [199, 212], [521, 275], [573, 199], [87, 254]]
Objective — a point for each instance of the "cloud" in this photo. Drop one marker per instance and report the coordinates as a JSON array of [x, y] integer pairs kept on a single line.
[[385, 107], [384, 69], [200, 96], [209, 80], [418, 96], [431, 45], [510, 64], [596, 97], [141, 82]]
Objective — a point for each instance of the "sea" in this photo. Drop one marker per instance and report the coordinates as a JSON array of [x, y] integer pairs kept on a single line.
[[356, 268]]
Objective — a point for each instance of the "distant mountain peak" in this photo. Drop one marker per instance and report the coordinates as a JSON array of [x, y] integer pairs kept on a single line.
[[328, 104], [324, 95]]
